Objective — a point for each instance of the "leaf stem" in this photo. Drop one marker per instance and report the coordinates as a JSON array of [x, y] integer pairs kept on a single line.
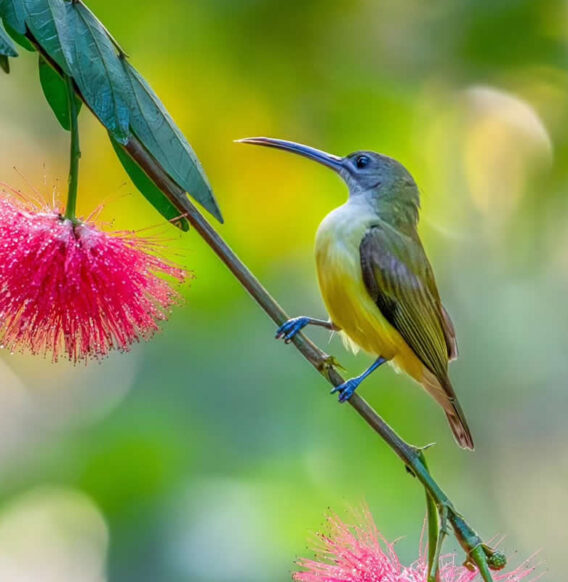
[[74, 153], [436, 532], [434, 556]]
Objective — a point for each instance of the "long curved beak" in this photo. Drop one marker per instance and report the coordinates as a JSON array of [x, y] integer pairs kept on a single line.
[[329, 160]]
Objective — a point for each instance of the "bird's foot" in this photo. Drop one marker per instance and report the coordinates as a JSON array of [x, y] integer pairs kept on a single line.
[[346, 389], [288, 330]]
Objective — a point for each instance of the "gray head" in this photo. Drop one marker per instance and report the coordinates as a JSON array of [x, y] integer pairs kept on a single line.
[[383, 181]]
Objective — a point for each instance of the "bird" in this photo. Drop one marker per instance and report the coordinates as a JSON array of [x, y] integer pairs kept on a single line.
[[375, 279]]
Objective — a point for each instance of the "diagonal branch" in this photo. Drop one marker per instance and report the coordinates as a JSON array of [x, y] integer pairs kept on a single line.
[[411, 456]]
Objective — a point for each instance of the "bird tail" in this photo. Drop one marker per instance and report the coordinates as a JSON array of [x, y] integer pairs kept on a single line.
[[444, 394], [459, 427]]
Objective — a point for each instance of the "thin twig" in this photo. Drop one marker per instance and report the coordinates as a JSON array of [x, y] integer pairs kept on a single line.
[[437, 528], [75, 151]]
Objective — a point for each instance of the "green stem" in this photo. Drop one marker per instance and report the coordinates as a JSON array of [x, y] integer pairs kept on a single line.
[[434, 557], [434, 539], [75, 152], [436, 533]]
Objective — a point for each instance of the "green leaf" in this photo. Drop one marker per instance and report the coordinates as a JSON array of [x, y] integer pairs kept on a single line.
[[7, 48], [79, 45], [13, 15], [19, 38], [152, 193], [48, 23], [96, 68], [72, 38], [155, 128], [55, 91]]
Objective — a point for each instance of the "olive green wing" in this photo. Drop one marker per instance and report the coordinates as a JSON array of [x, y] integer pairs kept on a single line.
[[450, 334], [399, 278]]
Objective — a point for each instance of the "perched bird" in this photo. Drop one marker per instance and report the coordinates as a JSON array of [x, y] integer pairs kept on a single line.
[[375, 279]]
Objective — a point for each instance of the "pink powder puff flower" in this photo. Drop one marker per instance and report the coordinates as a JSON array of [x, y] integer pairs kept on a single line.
[[359, 553], [67, 288]]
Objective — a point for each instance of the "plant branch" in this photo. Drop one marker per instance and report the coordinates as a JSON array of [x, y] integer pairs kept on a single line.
[[435, 550], [437, 529], [410, 455], [75, 151]]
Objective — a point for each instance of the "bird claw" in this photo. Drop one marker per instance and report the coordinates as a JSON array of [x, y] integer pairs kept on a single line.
[[346, 389], [288, 330]]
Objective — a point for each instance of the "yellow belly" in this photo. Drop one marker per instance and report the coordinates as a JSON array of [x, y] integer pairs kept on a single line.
[[346, 298], [349, 304]]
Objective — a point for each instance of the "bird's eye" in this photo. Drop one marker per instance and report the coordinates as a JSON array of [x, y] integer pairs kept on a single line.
[[362, 161]]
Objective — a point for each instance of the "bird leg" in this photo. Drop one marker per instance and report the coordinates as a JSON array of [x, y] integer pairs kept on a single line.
[[347, 388], [288, 330]]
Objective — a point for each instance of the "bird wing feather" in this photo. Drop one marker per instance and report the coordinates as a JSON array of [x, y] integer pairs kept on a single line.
[[450, 334], [400, 280]]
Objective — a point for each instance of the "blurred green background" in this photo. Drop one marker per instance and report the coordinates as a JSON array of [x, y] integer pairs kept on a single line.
[[211, 453]]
